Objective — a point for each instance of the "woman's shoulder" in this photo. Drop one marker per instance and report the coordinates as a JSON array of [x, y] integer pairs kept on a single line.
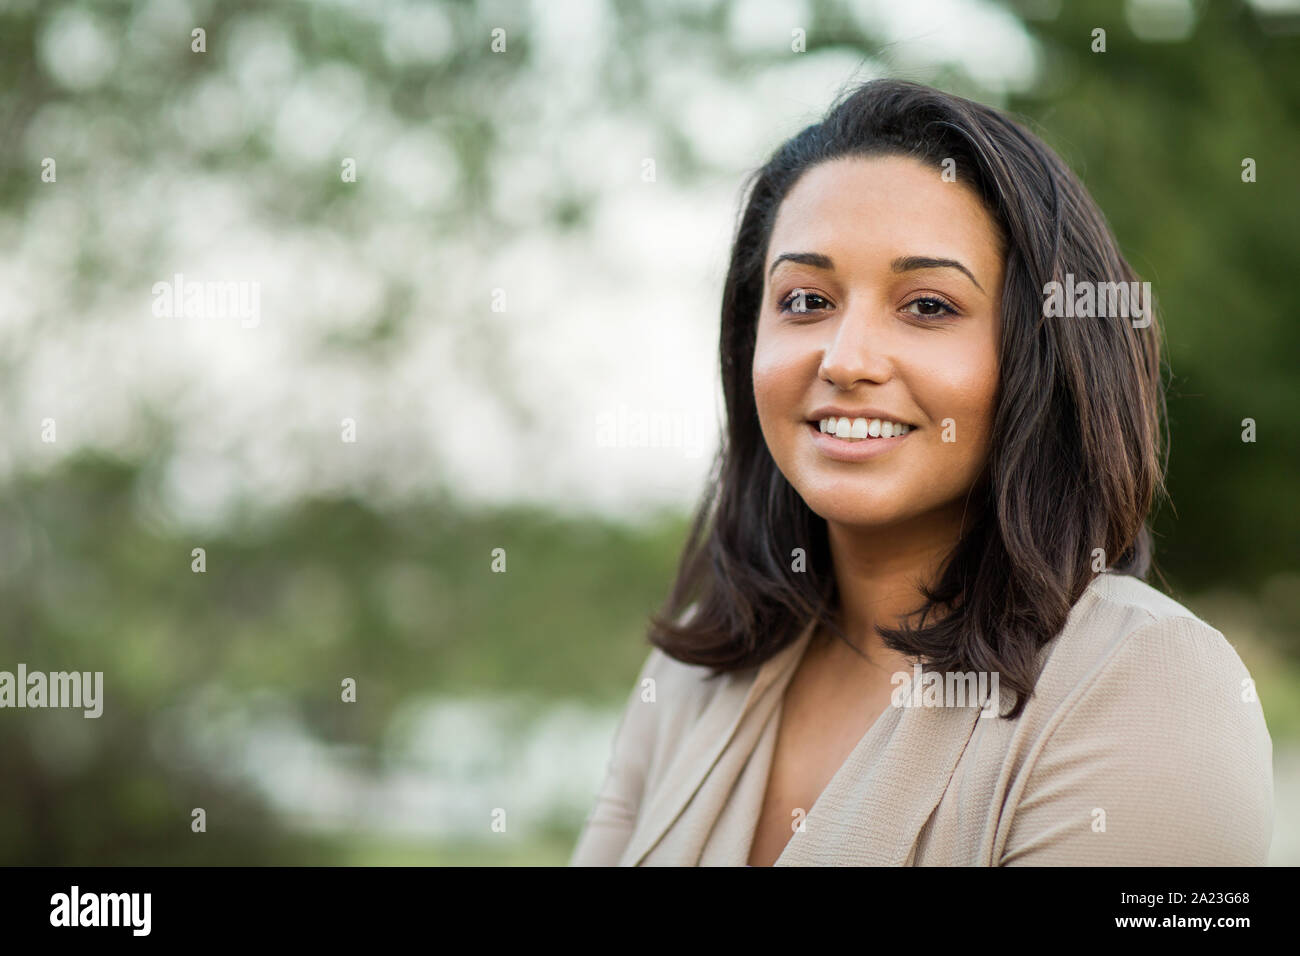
[[1146, 712], [1121, 621], [1130, 658], [1124, 591], [688, 683], [687, 690], [687, 686], [680, 692]]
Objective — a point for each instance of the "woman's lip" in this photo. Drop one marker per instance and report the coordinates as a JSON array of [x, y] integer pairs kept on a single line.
[[841, 450]]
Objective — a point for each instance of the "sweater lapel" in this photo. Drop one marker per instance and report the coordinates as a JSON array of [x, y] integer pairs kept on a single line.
[[873, 809], [735, 702]]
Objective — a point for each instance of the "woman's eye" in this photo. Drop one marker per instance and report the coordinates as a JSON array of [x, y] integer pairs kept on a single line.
[[801, 300], [930, 307]]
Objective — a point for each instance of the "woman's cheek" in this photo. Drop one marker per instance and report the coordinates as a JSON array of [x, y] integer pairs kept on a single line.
[[767, 398], [762, 390], [973, 421], [959, 408], [774, 374]]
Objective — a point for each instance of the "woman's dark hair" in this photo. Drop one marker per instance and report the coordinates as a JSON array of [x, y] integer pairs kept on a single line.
[[1077, 444]]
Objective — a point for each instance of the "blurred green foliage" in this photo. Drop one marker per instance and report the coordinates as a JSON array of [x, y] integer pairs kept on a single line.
[[403, 602], [1158, 133]]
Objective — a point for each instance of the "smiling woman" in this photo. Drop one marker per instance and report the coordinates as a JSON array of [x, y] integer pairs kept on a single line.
[[926, 475]]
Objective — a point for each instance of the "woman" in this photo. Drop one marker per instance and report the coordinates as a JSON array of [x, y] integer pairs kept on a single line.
[[910, 626]]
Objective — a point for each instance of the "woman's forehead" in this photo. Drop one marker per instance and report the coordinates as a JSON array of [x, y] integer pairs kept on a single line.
[[860, 211]]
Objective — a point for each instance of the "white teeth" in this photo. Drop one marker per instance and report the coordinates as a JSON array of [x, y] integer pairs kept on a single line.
[[858, 429]]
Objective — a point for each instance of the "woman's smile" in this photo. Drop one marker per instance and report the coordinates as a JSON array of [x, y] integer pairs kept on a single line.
[[853, 449]]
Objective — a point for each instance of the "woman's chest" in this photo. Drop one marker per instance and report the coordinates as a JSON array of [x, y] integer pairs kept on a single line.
[[820, 725]]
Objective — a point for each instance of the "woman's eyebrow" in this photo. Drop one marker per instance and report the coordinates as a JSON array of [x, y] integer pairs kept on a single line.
[[814, 259], [902, 264], [910, 263]]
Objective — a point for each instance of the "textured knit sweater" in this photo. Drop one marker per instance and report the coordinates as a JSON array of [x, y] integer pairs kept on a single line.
[[1143, 744]]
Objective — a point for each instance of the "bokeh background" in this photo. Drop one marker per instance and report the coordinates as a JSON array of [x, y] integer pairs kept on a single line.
[[515, 303]]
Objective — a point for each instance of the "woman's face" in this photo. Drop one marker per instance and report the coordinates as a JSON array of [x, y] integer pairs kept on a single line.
[[881, 298]]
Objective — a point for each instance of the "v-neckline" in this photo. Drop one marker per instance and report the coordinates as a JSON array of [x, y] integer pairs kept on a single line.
[[776, 717]]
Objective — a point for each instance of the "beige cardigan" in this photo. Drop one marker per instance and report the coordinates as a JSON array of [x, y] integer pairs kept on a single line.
[[1143, 745]]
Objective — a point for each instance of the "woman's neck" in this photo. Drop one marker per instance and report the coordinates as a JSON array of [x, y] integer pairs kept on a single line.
[[879, 572]]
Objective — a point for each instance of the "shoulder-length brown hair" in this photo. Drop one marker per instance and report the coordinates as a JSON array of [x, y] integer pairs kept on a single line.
[[1077, 446]]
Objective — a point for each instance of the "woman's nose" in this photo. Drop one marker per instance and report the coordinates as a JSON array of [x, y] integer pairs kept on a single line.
[[860, 348]]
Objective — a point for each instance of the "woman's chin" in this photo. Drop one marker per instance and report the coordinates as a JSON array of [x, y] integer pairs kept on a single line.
[[867, 511]]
